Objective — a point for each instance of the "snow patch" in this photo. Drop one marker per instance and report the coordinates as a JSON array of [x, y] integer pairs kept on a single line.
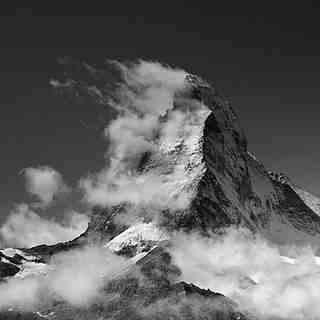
[[136, 235], [10, 252], [28, 264]]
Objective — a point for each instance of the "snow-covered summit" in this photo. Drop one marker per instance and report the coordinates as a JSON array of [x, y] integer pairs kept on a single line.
[[140, 237]]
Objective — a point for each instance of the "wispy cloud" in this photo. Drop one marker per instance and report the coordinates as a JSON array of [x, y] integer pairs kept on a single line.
[[75, 277], [45, 183], [26, 228], [151, 123]]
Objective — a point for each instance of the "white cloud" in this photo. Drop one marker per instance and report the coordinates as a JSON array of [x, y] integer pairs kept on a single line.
[[149, 124], [20, 293], [45, 183], [76, 276], [252, 272], [79, 275], [149, 87], [25, 228]]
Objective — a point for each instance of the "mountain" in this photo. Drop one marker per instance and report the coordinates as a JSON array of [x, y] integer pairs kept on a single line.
[[211, 181], [232, 187]]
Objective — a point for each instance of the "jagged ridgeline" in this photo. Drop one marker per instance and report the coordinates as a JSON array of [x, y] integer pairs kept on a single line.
[[207, 177], [177, 161]]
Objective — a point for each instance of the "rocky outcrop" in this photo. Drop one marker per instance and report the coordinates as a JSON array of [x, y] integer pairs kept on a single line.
[[237, 189]]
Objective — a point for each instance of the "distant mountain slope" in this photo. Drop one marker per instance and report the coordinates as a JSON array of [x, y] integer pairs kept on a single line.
[[309, 199], [230, 185]]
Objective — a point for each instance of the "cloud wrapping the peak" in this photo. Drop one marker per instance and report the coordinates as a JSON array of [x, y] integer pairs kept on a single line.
[[45, 183], [148, 87], [144, 169]]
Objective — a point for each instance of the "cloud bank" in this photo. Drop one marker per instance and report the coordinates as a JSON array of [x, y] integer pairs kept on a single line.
[[75, 277], [153, 143], [26, 228], [252, 272]]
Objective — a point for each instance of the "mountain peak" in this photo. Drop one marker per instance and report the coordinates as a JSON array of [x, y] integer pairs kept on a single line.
[[178, 164]]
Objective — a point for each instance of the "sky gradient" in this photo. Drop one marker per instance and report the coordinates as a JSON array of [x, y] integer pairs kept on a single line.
[[264, 57]]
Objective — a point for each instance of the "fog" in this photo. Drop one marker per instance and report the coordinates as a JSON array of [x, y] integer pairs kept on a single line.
[[252, 272]]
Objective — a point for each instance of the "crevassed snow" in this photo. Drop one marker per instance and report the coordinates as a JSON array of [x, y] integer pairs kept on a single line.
[[135, 235]]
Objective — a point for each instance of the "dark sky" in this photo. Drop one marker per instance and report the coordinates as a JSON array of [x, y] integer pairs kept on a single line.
[[264, 56]]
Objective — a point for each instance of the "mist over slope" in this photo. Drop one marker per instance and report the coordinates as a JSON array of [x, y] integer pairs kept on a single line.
[[180, 199]]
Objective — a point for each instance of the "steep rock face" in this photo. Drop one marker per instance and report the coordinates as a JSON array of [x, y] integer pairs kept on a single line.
[[227, 184], [237, 189], [230, 186], [212, 162]]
